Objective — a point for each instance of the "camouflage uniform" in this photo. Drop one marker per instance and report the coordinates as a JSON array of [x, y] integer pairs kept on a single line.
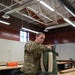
[[32, 56]]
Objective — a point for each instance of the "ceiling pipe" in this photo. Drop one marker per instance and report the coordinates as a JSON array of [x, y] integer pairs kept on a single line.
[[56, 26], [68, 6]]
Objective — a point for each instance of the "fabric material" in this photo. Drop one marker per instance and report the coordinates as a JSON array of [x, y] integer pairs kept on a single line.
[[50, 62]]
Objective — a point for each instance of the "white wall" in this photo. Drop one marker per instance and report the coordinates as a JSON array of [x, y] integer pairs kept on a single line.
[[11, 50], [66, 51], [14, 51]]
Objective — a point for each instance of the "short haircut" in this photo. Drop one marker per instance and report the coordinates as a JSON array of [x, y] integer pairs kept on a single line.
[[39, 33]]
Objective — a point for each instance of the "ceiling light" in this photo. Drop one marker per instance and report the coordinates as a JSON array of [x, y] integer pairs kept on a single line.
[[69, 22], [29, 30], [70, 11], [6, 16], [4, 22], [46, 5]]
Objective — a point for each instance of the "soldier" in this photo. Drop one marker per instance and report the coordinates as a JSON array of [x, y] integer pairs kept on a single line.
[[32, 55]]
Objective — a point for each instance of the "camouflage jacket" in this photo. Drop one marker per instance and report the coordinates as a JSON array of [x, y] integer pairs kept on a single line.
[[32, 55]]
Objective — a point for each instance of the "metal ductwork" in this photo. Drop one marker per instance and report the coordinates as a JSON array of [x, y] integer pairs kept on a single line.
[[56, 26], [68, 6]]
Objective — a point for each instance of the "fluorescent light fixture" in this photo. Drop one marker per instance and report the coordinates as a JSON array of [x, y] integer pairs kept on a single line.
[[69, 22], [4, 22], [29, 30], [46, 5], [70, 11]]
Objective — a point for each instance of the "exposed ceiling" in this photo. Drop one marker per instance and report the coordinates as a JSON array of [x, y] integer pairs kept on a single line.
[[35, 13]]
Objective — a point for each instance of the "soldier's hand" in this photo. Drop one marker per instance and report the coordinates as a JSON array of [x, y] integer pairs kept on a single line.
[[49, 46]]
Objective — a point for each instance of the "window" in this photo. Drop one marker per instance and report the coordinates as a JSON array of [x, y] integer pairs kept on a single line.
[[24, 36]]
